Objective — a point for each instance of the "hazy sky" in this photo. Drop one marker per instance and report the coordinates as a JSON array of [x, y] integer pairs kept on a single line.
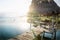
[[58, 2], [19, 7]]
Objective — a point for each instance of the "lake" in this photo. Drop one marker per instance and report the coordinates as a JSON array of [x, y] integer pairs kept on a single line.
[[12, 26]]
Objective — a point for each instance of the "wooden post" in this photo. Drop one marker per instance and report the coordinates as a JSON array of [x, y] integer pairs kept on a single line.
[[53, 28], [30, 26]]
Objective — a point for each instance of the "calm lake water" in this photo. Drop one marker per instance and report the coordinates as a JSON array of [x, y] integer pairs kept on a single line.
[[12, 26], [9, 31]]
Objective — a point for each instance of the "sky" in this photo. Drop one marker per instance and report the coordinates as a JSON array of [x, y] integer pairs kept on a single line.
[[19, 7], [16, 7], [58, 2]]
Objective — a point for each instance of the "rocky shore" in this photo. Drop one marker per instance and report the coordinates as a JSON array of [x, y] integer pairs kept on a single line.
[[29, 35]]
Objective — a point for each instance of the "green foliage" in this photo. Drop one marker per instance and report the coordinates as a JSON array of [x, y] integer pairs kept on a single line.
[[35, 18]]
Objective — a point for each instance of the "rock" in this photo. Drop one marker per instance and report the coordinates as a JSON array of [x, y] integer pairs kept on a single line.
[[28, 35], [44, 7]]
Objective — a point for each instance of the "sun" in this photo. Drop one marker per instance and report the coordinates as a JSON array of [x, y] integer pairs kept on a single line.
[[24, 7], [23, 10]]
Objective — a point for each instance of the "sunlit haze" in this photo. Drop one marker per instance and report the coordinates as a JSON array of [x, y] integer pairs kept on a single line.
[[13, 9], [13, 13], [16, 7], [19, 7]]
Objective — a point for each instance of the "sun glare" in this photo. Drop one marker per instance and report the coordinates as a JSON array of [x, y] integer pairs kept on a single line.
[[14, 13], [24, 7]]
